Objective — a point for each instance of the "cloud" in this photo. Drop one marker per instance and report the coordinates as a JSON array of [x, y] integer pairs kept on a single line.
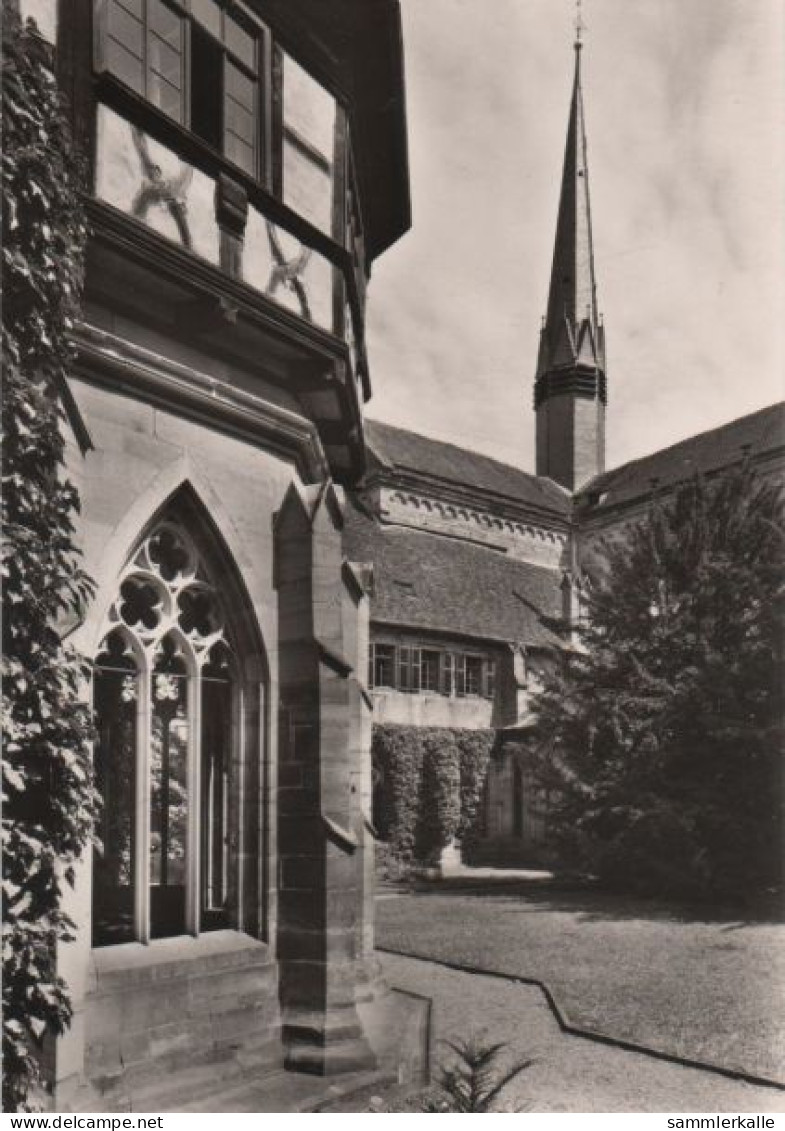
[[684, 112]]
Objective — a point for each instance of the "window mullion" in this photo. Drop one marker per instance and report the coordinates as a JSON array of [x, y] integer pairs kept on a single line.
[[274, 179], [146, 49], [142, 803], [187, 72], [194, 779], [237, 750]]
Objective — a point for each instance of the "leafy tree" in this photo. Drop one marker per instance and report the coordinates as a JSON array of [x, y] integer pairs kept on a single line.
[[48, 797], [663, 733]]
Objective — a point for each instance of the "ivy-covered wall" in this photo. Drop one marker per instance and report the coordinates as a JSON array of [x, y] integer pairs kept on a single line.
[[48, 797], [428, 788]]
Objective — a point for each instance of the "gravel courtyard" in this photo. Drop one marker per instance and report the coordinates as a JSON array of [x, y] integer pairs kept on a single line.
[[568, 1074], [706, 986]]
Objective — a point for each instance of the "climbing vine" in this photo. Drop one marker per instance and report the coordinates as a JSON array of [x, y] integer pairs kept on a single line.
[[429, 786], [48, 797]]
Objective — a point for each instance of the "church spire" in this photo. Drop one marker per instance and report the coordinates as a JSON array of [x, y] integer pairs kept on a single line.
[[570, 384]]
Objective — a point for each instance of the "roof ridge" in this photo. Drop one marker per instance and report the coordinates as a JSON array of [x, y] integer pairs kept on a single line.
[[686, 441], [462, 448]]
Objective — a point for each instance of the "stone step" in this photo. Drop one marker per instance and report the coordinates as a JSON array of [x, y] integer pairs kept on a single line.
[[356, 1095], [196, 1083], [293, 1092]]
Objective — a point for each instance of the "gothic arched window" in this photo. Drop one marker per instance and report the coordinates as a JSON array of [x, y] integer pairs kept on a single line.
[[165, 700]]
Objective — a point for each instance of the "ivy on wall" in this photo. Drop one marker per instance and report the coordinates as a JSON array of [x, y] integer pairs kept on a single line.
[[48, 796], [429, 786]]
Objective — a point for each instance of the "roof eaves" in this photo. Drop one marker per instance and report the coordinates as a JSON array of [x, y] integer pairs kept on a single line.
[[449, 631]]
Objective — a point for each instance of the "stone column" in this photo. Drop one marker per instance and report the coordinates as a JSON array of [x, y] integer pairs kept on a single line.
[[320, 865], [358, 582], [75, 967]]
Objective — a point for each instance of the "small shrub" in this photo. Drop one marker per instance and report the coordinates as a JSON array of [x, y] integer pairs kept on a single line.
[[470, 1083], [475, 1079]]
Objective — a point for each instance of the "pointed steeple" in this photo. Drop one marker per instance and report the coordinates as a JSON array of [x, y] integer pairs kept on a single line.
[[571, 362]]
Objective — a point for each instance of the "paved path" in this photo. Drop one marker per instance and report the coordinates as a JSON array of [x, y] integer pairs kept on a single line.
[[571, 1073]]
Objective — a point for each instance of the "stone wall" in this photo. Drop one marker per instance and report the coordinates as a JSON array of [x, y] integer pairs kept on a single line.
[[206, 1005], [431, 710], [140, 457]]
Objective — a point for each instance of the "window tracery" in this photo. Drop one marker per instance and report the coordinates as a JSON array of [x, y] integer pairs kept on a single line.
[[164, 701]]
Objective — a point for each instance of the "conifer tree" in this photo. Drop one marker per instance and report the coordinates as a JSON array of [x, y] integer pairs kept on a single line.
[[661, 734]]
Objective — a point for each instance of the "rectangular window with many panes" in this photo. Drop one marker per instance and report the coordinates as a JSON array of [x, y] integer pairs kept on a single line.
[[427, 670]]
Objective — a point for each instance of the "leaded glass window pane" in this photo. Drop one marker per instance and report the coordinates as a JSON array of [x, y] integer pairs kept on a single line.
[[239, 118], [127, 66], [164, 22], [473, 675], [429, 674], [116, 698], [216, 734], [309, 116], [383, 665], [208, 13], [126, 30], [165, 59], [168, 791], [240, 42]]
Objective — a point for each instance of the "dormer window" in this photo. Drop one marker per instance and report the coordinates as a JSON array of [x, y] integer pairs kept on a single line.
[[197, 62]]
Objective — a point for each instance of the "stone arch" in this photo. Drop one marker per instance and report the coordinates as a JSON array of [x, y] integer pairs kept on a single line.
[[200, 565], [178, 487]]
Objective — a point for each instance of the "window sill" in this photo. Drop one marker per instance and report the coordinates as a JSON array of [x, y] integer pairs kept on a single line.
[[162, 959], [441, 695]]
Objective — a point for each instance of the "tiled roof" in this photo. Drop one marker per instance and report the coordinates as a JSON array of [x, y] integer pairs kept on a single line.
[[401, 450], [431, 582], [759, 433]]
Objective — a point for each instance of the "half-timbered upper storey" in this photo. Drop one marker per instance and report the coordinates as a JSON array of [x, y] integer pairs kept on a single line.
[[247, 161]]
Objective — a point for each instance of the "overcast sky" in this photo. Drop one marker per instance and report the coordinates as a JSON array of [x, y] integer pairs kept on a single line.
[[685, 107]]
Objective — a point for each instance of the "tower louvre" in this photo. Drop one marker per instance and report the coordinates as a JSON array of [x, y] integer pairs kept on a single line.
[[570, 387]]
